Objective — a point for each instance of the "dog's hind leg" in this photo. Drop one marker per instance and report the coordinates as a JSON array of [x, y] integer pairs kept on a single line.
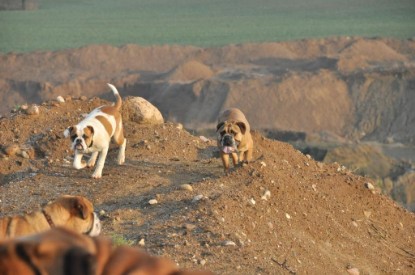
[[120, 140]]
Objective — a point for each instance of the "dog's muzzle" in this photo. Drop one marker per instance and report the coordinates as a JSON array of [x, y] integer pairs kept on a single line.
[[78, 144], [228, 144]]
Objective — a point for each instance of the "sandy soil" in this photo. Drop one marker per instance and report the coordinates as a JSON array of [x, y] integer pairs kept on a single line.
[[284, 213]]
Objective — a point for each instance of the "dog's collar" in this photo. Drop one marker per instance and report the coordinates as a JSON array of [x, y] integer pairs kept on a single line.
[[92, 143], [92, 226], [48, 219]]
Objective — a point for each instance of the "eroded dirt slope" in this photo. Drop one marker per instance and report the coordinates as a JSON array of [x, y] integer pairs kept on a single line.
[[315, 218], [365, 85]]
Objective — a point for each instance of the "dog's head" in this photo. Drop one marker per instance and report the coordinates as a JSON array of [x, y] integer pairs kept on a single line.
[[76, 213], [81, 138], [230, 134]]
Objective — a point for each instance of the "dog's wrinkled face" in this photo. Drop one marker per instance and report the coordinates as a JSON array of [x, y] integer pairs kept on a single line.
[[81, 138], [230, 134]]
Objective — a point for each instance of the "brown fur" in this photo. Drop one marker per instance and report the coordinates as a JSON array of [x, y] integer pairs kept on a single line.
[[106, 124], [61, 251], [74, 212], [233, 121], [114, 111]]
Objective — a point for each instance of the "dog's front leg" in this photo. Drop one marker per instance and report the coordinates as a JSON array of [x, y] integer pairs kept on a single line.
[[92, 159], [77, 162], [234, 159], [225, 161], [100, 165]]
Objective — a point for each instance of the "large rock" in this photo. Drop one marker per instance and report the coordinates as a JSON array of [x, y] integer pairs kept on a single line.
[[139, 110]]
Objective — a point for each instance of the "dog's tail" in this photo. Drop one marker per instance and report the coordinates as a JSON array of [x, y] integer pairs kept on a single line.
[[117, 95]]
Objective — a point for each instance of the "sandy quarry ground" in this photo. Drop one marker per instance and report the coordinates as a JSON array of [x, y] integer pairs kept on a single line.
[[316, 219]]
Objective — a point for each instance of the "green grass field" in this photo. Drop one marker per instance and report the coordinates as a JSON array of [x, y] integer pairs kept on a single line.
[[62, 24]]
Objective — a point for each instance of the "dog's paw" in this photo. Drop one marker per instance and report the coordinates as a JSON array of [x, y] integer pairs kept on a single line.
[[80, 165], [121, 161], [96, 176], [90, 164]]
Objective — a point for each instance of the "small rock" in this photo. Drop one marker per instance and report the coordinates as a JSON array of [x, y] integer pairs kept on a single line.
[[308, 156], [287, 216], [266, 195], [353, 271], [314, 186], [32, 110], [186, 187], [142, 242], [204, 139], [354, 223], [229, 243], [263, 164], [197, 198], [369, 186], [12, 150], [102, 212], [179, 126], [189, 226], [252, 201], [152, 201], [24, 154], [60, 99], [367, 213], [202, 262]]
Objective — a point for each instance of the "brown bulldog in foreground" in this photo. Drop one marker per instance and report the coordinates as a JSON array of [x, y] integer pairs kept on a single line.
[[234, 137], [73, 212], [61, 251]]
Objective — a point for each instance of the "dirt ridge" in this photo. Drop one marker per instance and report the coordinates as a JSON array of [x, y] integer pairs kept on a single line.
[[284, 213]]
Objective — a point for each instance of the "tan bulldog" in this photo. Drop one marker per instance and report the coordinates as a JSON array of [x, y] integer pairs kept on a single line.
[[234, 137], [61, 251], [74, 212]]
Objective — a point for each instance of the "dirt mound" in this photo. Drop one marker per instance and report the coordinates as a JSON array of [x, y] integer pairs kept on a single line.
[[283, 213], [190, 71], [279, 85], [364, 159], [367, 54]]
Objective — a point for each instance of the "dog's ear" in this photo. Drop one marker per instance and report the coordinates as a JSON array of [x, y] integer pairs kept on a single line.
[[219, 126], [242, 126], [80, 207], [68, 131], [91, 129]]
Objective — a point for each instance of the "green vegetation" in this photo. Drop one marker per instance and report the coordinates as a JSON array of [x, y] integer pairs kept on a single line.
[[62, 24], [119, 240]]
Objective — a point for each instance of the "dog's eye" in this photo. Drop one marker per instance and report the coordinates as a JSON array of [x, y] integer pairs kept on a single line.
[[84, 136], [233, 132], [73, 137]]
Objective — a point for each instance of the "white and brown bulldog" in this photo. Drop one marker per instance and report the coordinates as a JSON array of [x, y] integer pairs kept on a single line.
[[94, 133], [234, 137], [73, 212]]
